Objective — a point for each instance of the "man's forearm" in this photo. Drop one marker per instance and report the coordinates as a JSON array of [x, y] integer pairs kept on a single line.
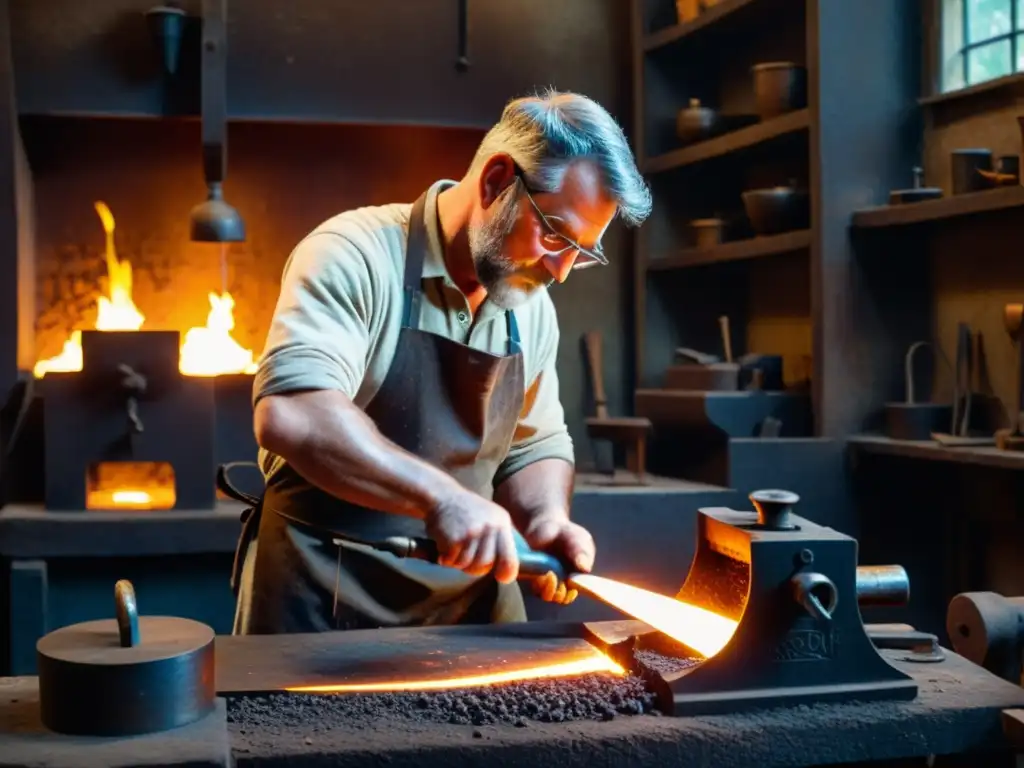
[[335, 446], [541, 488]]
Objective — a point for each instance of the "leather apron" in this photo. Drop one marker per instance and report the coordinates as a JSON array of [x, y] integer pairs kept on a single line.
[[445, 402]]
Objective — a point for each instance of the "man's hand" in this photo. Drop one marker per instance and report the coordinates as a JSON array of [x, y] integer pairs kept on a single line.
[[559, 536], [474, 535]]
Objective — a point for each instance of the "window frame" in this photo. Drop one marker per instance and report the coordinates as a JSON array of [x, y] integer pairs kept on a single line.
[[960, 51]]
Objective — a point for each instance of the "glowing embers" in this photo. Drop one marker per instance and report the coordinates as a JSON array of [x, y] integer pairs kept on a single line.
[[130, 485], [595, 662], [698, 628]]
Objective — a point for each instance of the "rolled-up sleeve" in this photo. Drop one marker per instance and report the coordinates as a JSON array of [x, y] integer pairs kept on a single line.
[[541, 432], [319, 336]]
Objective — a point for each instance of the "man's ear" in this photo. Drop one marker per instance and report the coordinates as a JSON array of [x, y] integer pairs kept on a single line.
[[497, 174]]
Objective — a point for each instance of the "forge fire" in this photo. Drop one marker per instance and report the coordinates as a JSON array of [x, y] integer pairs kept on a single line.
[[207, 350]]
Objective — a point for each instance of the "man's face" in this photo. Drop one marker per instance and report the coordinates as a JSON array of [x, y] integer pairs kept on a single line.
[[521, 241]]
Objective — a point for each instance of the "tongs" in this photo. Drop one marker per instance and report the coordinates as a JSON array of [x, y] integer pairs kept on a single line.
[[963, 392]]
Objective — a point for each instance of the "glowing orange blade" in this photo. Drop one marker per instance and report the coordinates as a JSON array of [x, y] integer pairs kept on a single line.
[[698, 628]]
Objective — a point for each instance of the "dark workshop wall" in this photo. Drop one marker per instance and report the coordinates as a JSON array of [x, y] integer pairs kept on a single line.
[[347, 62], [780, 313], [387, 61]]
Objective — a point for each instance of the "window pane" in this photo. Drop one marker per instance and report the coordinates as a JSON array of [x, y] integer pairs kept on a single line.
[[953, 73], [987, 19], [1020, 14], [1020, 52], [988, 62]]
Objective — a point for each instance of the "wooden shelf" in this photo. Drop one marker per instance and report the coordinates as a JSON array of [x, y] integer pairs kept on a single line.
[[754, 248], [929, 451], [676, 32], [730, 142], [938, 210]]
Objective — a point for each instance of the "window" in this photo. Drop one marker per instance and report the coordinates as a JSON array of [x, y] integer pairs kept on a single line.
[[981, 40]]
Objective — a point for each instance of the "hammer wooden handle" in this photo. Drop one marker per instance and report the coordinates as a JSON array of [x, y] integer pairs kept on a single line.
[[592, 340], [723, 324]]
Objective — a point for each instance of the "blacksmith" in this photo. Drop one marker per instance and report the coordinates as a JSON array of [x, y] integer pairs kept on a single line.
[[408, 386]]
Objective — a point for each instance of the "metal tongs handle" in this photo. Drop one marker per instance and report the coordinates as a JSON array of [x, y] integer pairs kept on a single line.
[[532, 564]]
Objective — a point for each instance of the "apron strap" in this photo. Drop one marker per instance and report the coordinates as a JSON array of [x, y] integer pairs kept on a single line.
[[512, 326], [415, 254]]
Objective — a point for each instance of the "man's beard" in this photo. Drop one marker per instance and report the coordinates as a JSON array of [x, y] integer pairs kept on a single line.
[[496, 272]]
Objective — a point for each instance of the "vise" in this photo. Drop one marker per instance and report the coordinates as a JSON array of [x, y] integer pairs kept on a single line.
[[794, 590], [988, 629]]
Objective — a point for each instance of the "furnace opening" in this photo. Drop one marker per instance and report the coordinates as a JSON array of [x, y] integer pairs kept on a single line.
[[130, 485]]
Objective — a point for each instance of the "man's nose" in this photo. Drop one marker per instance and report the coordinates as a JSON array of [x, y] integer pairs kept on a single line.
[[560, 266]]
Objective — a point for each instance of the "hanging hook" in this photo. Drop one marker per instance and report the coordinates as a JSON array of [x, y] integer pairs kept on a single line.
[[462, 61]]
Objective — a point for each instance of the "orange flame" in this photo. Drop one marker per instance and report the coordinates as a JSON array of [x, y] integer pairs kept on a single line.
[[211, 351], [597, 662], [205, 351]]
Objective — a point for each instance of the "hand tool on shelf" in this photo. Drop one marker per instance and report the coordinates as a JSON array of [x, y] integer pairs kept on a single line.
[[963, 395], [1012, 439], [723, 326], [630, 431]]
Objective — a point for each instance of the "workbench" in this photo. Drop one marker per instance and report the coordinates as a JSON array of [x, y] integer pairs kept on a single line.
[[959, 710]]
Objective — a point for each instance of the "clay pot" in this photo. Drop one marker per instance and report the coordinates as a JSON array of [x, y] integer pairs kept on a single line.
[[777, 210], [687, 10], [707, 233], [779, 87], [695, 123]]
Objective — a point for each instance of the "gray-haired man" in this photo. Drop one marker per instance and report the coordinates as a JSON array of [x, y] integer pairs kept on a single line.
[[408, 386]]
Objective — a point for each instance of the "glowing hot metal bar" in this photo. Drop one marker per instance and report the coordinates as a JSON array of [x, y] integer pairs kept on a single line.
[[702, 630], [698, 628], [596, 663]]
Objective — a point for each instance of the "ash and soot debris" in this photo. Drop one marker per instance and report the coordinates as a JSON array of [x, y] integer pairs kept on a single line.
[[590, 697], [664, 664]]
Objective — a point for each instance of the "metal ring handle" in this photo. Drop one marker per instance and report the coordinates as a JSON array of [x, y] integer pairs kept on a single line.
[[908, 367], [127, 612], [817, 593]]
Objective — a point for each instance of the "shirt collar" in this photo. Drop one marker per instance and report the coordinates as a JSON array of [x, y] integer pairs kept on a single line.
[[433, 263]]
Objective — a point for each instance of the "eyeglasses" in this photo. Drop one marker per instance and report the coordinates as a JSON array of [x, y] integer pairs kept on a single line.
[[557, 243]]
